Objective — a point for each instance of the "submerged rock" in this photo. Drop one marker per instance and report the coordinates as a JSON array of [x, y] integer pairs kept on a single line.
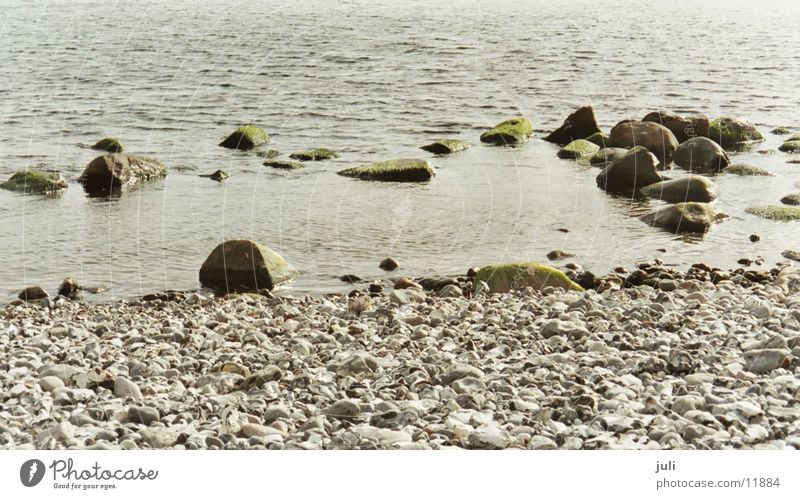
[[634, 170], [396, 170], [284, 164], [683, 189], [578, 125], [791, 199], [780, 131], [243, 265], [245, 138], [779, 213], [218, 175], [388, 264], [32, 182], [114, 171], [606, 156], [510, 276], [109, 144], [701, 154], [599, 139], [790, 146], [268, 153], [684, 128], [509, 132], [69, 288], [657, 139], [684, 217], [747, 170], [578, 149], [318, 154], [729, 131], [33, 293], [446, 146]]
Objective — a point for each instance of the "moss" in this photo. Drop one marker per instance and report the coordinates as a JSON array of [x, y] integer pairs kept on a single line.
[[284, 164], [780, 131], [606, 156], [727, 131], [396, 170], [245, 138], [747, 170], [318, 154], [792, 146], [32, 182], [780, 213], [578, 149], [509, 276], [509, 132], [109, 144], [268, 153], [599, 138], [446, 146]]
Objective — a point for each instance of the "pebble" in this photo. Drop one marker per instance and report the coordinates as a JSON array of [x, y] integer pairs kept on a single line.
[[143, 415], [50, 383], [125, 388]]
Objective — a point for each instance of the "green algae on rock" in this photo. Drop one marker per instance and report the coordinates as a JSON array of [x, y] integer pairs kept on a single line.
[[510, 276], [109, 144], [600, 139], [245, 138], [578, 149], [318, 154], [33, 182], [284, 164], [509, 132], [606, 156], [729, 131], [395, 170], [684, 217], [268, 153], [446, 146], [243, 265], [779, 213], [791, 199], [747, 170], [113, 171], [791, 146], [218, 175]]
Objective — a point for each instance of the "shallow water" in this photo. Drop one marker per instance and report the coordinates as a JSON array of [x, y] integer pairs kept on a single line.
[[373, 80]]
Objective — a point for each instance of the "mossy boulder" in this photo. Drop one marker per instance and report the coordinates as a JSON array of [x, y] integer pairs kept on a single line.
[[245, 138], [606, 156], [395, 170], [636, 169], [779, 213], [728, 131], [683, 127], [795, 136], [701, 154], [684, 217], [790, 146], [578, 125], [268, 153], [780, 131], [284, 164], [114, 171], [109, 144], [33, 182], [509, 132], [578, 149], [510, 276], [747, 171], [683, 189], [318, 154], [600, 139], [658, 139], [791, 199], [241, 265], [446, 146]]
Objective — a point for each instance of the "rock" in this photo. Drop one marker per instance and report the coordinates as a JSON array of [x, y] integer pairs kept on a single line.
[[557, 327], [489, 436], [109, 144], [407, 296], [244, 265], [559, 255], [652, 136], [578, 149], [684, 128], [701, 154], [791, 255], [683, 217], [259, 379], [578, 125], [606, 156], [600, 139], [268, 153], [143, 415], [50, 383], [790, 146], [218, 175], [343, 409], [318, 154], [115, 171], [69, 288], [511, 276], [509, 132], [388, 264], [125, 388], [32, 293], [158, 437], [284, 164], [446, 146], [791, 199], [405, 283], [679, 190], [780, 131], [350, 278], [33, 182], [764, 361], [728, 131], [396, 170], [779, 213], [64, 372], [754, 238], [245, 138], [747, 170], [634, 170], [275, 412], [61, 432], [451, 291]]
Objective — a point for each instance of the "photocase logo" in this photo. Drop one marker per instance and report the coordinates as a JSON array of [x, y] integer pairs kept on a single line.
[[31, 472]]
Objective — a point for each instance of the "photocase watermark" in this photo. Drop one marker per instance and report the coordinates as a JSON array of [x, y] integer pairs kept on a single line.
[[66, 475]]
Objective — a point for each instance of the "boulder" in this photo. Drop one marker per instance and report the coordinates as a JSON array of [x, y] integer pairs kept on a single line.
[[32, 293], [318, 154], [684, 128], [778, 213], [790, 146], [245, 138], [747, 170], [510, 276], [509, 132], [684, 217], [114, 171], [791, 199], [284, 164], [683, 189], [218, 175], [446, 146], [388, 264], [243, 265], [268, 153], [578, 149], [701, 154], [606, 156], [578, 125], [31, 182], [396, 170], [780, 131], [728, 131], [600, 139], [69, 288], [656, 138], [634, 170], [109, 144]]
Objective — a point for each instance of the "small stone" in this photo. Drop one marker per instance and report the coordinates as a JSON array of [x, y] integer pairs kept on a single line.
[[50, 383], [559, 255], [451, 291], [343, 409], [388, 264], [407, 296], [405, 283], [275, 412], [764, 361]]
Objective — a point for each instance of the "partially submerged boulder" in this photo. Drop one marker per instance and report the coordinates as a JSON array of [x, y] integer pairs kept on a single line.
[[114, 171], [791, 199], [728, 131], [69, 288], [747, 170], [284, 164], [510, 276], [600, 139], [683, 189], [245, 138], [33, 182], [701, 154], [658, 139], [32, 293], [578, 125], [606, 156], [109, 144], [683, 127], [509, 132], [578, 149], [684, 217], [790, 146], [242, 265], [446, 146], [634, 170], [218, 175], [318, 154], [778, 213], [396, 170]]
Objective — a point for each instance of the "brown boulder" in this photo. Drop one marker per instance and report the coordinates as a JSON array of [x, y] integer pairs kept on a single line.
[[578, 125], [683, 127], [632, 171], [113, 171], [658, 139], [243, 265]]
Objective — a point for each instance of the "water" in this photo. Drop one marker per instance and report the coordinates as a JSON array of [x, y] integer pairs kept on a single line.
[[373, 80]]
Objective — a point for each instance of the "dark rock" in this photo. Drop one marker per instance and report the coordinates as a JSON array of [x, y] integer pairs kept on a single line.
[[684, 217], [318, 154], [791, 199], [218, 175], [32, 293], [446, 146], [559, 255], [728, 131], [701, 154], [754, 238], [143, 415], [375, 288], [243, 265], [397, 170], [245, 138], [655, 138], [69, 288], [684, 128], [284, 164], [436, 283], [606, 156], [114, 171], [578, 125], [586, 280], [633, 171], [109, 144], [350, 278], [388, 264]]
